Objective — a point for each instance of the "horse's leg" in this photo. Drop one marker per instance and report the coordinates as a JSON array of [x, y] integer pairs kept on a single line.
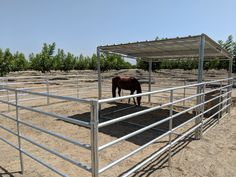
[[131, 93], [113, 90], [119, 90]]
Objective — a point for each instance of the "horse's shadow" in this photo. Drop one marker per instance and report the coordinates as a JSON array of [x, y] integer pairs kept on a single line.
[[130, 125]]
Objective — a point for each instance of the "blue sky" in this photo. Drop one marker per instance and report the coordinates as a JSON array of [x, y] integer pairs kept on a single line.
[[79, 26]]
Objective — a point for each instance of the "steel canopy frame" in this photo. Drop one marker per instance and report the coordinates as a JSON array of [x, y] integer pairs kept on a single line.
[[200, 46], [184, 47]]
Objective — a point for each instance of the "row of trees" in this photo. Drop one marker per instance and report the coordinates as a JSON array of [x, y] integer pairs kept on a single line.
[[12, 62], [47, 59], [188, 64]]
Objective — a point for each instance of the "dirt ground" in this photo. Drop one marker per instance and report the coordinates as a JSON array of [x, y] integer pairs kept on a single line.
[[214, 155]]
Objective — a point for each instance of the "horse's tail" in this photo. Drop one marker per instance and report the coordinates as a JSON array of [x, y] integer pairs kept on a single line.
[[139, 90], [114, 85]]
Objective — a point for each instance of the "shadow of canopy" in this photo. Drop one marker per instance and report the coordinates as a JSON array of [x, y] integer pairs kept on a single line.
[[128, 126]]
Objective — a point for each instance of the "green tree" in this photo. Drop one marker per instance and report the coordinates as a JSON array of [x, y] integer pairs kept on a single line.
[[58, 60], [4, 68], [69, 62], [229, 45], [33, 63], [5, 62], [19, 63], [44, 60], [234, 57], [93, 62], [82, 63]]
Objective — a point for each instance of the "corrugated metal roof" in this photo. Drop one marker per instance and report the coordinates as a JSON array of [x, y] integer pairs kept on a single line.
[[183, 47]]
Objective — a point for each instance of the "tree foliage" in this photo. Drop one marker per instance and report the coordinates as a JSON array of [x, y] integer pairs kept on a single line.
[[19, 62], [43, 61], [5, 62]]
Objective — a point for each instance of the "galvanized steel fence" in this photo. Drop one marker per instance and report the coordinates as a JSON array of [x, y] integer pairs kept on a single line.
[[200, 109]]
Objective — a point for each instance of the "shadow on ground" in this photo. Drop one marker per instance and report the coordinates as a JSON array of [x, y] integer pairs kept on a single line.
[[4, 172], [123, 128], [130, 125]]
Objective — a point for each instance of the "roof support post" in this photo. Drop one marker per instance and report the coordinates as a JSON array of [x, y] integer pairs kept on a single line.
[[94, 138], [99, 73], [198, 131], [149, 80]]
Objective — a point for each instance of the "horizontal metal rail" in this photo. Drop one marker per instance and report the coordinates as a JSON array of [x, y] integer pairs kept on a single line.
[[136, 124], [145, 128], [43, 163], [220, 88], [53, 96], [86, 146], [216, 122], [8, 130], [133, 152], [144, 111], [181, 125], [216, 113], [153, 156], [152, 109], [85, 167], [57, 135], [78, 122], [122, 109], [9, 143], [158, 91], [43, 77], [30, 155]]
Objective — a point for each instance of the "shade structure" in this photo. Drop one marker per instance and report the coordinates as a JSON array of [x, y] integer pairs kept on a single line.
[[200, 47], [172, 48]]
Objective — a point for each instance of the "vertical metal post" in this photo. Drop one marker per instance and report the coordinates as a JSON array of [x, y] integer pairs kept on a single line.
[[99, 74], [202, 108], [18, 132], [220, 105], [77, 86], [94, 138], [47, 89], [8, 97], [230, 82], [200, 79], [170, 127], [231, 102], [149, 80], [184, 93]]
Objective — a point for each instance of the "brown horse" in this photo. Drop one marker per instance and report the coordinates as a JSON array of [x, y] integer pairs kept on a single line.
[[126, 83]]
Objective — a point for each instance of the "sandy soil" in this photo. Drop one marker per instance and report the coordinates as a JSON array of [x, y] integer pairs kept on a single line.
[[214, 155]]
